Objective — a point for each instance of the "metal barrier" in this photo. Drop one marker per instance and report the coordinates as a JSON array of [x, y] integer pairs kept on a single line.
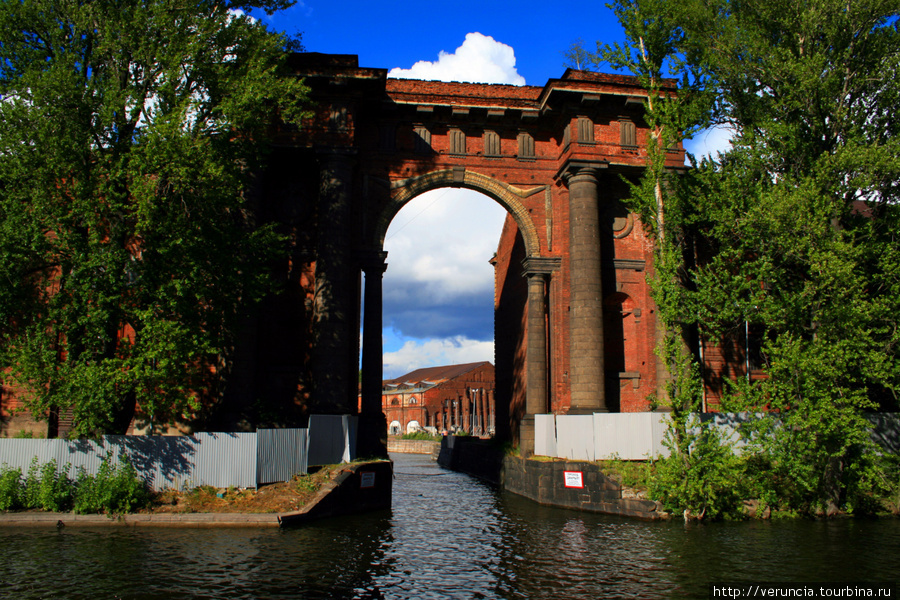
[[220, 460], [640, 436]]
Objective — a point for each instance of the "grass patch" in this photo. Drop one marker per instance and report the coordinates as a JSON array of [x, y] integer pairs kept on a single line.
[[635, 474], [421, 435]]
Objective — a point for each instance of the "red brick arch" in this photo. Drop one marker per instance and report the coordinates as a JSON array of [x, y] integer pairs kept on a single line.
[[553, 156], [505, 194]]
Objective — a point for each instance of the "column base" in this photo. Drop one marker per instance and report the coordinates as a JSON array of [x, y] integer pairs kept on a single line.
[[526, 436]]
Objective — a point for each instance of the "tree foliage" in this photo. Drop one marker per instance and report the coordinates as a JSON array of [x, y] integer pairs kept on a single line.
[[790, 234], [129, 132]]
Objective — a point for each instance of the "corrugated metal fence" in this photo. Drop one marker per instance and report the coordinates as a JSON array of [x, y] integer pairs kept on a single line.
[[217, 459], [639, 436]]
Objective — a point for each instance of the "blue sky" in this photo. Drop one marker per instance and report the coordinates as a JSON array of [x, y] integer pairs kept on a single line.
[[438, 288], [398, 34]]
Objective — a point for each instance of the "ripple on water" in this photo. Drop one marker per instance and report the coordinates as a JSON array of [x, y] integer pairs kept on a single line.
[[447, 536]]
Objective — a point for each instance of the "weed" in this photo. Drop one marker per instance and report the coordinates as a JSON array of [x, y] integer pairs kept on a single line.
[[307, 484], [10, 488], [115, 489], [421, 435]]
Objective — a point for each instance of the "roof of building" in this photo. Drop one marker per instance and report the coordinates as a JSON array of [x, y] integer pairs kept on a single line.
[[429, 376]]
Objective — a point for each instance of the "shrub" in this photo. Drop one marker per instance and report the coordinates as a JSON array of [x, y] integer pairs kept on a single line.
[[10, 488], [46, 488], [31, 490], [702, 476], [55, 490], [115, 489], [889, 480]]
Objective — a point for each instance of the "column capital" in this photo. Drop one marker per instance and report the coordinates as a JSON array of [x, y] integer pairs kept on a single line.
[[372, 260], [581, 168], [540, 265]]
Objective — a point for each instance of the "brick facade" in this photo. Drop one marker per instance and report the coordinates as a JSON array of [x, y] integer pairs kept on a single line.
[[575, 326], [523, 146], [454, 398]]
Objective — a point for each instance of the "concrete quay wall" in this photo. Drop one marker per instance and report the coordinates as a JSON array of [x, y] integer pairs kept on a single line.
[[358, 488], [578, 485], [414, 447]]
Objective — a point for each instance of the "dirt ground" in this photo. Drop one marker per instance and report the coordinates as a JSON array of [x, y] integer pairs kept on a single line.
[[276, 497]]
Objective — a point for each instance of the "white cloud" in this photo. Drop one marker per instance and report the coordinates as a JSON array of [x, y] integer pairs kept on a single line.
[[709, 142], [436, 352], [238, 13], [443, 239], [480, 59], [439, 244]]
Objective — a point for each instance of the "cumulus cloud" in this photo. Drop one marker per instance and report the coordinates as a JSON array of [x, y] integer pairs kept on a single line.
[[709, 142], [438, 281], [480, 59], [238, 13], [436, 352], [445, 239]]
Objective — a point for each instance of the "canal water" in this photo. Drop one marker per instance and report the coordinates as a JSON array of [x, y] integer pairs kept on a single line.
[[447, 536]]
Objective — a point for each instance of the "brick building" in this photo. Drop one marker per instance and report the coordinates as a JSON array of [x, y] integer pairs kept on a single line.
[[554, 156], [575, 326], [456, 398]]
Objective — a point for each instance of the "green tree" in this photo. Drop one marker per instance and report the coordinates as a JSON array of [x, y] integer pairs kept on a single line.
[[129, 134], [792, 233]]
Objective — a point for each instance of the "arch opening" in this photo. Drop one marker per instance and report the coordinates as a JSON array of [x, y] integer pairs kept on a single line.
[[508, 196], [438, 308]]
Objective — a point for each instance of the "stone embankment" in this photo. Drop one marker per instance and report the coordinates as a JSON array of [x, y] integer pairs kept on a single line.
[[414, 447], [578, 485], [357, 488]]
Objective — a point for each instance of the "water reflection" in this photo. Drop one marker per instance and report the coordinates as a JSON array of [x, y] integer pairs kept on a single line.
[[447, 536]]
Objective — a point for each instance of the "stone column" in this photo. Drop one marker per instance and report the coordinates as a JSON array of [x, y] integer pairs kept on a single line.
[[537, 270], [476, 412], [372, 434], [586, 369], [336, 309]]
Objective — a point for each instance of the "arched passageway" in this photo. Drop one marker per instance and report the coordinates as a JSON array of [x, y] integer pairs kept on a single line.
[[553, 156], [538, 268]]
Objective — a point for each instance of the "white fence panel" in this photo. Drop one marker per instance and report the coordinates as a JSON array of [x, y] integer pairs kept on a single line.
[[545, 435], [629, 436], [639, 436], [658, 435], [80, 454], [17, 453], [217, 459], [575, 437], [164, 462]]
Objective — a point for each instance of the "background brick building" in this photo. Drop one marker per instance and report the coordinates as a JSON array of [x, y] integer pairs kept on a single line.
[[449, 398]]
